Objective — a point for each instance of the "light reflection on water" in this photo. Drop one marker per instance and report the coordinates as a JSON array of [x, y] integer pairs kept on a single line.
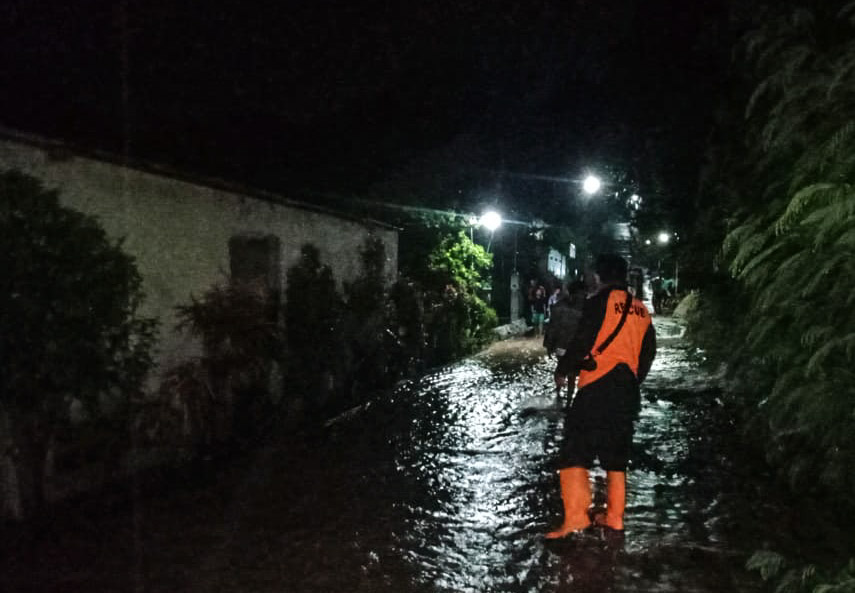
[[446, 485], [491, 448]]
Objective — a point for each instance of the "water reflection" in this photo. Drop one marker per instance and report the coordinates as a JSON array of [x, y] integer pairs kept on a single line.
[[485, 444], [446, 486]]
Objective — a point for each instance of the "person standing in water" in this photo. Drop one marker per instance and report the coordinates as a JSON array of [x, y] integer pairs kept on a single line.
[[613, 349]]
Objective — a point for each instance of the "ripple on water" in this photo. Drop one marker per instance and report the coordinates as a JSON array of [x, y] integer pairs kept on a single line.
[[492, 466]]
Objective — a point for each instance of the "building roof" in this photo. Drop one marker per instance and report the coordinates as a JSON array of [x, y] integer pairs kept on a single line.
[[63, 149]]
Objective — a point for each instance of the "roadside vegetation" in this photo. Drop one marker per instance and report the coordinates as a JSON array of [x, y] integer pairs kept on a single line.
[[73, 348], [777, 221], [76, 352]]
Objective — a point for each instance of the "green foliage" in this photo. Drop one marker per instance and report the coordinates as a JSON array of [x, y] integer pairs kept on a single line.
[[407, 320], [460, 262], [769, 564], [796, 253], [69, 328], [423, 232], [312, 318], [350, 346], [773, 568], [790, 243], [439, 260], [459, 320], [237, 323], [366, 321], [712, 304], [67, 305]]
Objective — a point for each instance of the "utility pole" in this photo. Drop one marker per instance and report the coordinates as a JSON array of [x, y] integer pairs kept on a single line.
[[515, 285]]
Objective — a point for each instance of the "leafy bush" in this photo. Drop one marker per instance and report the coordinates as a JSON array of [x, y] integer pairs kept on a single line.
[[407, 320], [69, 328], [795, 254], [312, 327], [789, 577], [228, 393], [788, 190], [458, 319], [366, 320]]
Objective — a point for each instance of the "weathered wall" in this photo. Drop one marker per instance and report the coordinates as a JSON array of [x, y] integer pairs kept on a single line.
[[179, 231]]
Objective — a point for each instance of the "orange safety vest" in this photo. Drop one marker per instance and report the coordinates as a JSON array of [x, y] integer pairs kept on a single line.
[[626, 347]]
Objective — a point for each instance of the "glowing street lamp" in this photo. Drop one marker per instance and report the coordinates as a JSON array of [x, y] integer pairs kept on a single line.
[[491, 220], [591, 184], [664, 238]]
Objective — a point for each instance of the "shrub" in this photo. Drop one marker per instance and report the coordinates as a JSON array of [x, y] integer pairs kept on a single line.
[[365, 324], [238, 326], [312, 318], [458, 319], [69, 327]]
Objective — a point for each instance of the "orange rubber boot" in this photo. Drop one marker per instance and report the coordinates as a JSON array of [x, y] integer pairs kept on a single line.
[[616, 501], [576, 496]]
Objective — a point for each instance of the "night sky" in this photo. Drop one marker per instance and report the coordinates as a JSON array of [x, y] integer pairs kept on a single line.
[[437, 102]]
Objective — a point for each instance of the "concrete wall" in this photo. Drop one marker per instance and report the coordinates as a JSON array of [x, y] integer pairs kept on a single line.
[[179, 231]]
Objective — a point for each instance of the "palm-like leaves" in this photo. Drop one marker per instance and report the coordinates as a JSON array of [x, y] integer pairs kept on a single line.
[[795, 251]]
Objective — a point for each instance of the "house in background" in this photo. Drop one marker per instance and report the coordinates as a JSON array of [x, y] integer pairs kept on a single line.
[[188, 234], [556, 264]]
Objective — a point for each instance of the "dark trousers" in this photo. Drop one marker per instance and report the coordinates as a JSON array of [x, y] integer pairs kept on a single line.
[[600, 422]]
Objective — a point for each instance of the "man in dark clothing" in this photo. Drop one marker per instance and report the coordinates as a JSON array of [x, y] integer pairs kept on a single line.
[[538, 309], [600, 421], [563, 319], [657, 285], [529, 300]]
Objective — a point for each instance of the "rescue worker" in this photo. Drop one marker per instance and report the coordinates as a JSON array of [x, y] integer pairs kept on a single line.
[[600, 421]]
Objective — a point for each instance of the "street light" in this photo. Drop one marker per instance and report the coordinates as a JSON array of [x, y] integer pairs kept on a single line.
[[591, 184], [664, 238], [491, 220]]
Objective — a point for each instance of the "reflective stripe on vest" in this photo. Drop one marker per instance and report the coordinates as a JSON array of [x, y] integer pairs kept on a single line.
[[626, 347]]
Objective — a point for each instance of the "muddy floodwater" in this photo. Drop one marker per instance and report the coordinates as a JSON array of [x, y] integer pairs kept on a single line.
[[447, 485]]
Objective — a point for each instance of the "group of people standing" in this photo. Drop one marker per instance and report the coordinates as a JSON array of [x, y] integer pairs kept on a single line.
[[552, 316], [604, 345], [663, 291]]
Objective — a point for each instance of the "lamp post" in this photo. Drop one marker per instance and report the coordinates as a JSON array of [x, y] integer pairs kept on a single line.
[[490, 220], [664, 238]]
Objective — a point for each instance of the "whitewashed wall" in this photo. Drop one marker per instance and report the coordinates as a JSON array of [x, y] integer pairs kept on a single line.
[[179, 231]]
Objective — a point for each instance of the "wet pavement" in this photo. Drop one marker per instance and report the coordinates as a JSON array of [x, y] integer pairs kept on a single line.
[[447, 485]]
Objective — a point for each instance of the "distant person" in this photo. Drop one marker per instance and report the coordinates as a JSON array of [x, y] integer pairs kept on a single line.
[[657, 287], [529, 299], [636, 282], [553, 298], [538, 309], [564, 319], [612, 349], [670, 287]]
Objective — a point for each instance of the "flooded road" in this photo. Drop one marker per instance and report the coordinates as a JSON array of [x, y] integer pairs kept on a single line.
[[446, 486]]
